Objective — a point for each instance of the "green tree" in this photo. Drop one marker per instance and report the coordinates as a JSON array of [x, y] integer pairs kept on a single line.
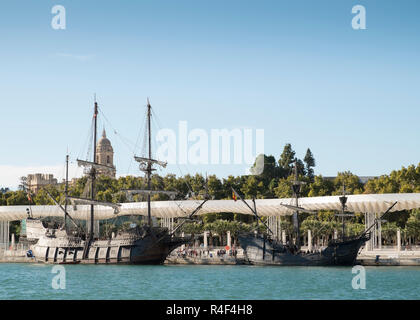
[[406, 180], [42, 197], [253, 187], [389, 232], [351, 182], [321, 187], [17, 198], [215, 187], [106, 196], [270, 190], [284, 188], [309, 164], [229, 183], [192, 228], [413, 225], [269, 171], [172, 183], [286, 160]]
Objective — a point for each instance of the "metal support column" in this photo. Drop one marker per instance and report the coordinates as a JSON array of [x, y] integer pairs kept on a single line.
[[309, 240], [379, 234], [4, 234], [375, 232], [280, 231]]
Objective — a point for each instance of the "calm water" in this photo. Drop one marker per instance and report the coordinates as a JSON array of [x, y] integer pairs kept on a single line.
[[31, 281]]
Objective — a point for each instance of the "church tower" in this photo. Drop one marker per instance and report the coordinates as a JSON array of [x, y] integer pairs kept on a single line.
[[105, 155]]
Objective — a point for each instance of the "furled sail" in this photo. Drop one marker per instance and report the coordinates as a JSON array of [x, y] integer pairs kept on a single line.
[[364, 203]]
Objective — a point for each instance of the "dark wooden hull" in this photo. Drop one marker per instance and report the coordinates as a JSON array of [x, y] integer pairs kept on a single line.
[[262, 251], [149, 249]]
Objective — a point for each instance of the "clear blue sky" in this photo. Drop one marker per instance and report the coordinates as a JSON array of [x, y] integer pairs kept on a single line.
[[293, 68]]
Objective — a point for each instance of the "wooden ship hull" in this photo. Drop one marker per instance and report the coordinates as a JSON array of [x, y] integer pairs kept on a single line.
[[147, 248], [262, 251]]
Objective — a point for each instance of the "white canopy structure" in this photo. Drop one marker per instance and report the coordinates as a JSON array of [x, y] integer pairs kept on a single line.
[[364, 203]]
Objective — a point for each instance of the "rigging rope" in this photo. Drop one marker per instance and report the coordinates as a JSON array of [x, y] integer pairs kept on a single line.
[[125, 141]]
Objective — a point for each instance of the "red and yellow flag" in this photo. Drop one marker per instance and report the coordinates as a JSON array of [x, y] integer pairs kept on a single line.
[[234, 196]]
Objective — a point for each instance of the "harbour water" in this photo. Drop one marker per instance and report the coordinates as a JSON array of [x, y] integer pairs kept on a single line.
[[34, 281]]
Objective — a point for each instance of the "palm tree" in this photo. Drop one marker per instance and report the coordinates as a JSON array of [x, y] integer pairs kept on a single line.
[[192, 228], [389, 232], [413, 226], [221, 227]]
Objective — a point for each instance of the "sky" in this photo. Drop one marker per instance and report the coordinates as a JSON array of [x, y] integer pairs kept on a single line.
[[295, 69]]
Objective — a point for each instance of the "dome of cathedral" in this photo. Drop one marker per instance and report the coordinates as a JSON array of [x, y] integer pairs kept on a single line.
[[104, 143]]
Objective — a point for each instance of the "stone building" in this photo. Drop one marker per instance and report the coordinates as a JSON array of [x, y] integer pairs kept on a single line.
[[38, 180], [105, 155]]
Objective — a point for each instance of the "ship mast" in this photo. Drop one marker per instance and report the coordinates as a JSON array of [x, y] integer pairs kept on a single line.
[[146, 165], [149, 164], [343, 200], [91, 168], [66, 201], [93, 171], [66, 192]]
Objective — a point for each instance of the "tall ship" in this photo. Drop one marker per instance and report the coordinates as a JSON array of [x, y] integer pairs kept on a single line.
[[145, 244], [261, 249]]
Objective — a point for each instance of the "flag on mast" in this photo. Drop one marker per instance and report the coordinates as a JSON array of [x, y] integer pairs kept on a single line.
[[234, 197]]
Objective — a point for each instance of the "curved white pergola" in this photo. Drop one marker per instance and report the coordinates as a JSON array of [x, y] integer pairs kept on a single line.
[[364, 203]]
